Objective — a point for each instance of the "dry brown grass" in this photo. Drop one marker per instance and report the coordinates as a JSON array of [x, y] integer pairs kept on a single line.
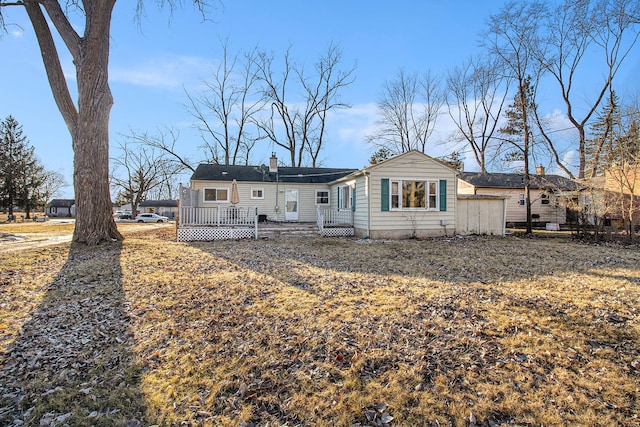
[[321, 332]]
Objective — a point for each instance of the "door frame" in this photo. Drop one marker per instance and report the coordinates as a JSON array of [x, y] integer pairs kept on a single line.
[[293, 215]]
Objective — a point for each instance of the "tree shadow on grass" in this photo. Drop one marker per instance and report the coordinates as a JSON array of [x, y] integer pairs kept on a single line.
[[73, 362]]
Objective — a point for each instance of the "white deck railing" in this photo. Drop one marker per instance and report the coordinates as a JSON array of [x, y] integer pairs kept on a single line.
[[334, 218], [219, 216]]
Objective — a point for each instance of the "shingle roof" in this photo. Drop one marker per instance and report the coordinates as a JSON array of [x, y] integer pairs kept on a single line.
[[62, 203], [212, 172], [160, 203], [516, 180]]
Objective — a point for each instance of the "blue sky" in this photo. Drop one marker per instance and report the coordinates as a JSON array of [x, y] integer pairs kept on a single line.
[[151, 66]]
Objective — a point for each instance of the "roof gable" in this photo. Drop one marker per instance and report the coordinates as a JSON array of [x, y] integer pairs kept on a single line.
[[408, 155]]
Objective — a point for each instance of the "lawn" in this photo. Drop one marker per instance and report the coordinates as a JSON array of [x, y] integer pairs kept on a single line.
[[320, 332]]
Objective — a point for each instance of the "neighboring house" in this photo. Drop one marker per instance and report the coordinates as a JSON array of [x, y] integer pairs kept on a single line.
[[551, 195], [61, 208], [613, 197], [409, 195], [168, 208]]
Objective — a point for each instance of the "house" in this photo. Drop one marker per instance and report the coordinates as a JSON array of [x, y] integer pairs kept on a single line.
[[278, 193], [613, 198], [61, 208], [168, 208], [551, 195], [409, 195]]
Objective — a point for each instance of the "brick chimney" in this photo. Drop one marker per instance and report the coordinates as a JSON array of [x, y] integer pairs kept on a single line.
[[273, 163], [540, 170]]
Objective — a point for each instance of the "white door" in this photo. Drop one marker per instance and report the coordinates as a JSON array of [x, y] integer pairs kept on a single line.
[[291, 204]]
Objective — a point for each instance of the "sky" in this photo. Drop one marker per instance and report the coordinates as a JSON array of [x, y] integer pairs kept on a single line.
[[152, 65]]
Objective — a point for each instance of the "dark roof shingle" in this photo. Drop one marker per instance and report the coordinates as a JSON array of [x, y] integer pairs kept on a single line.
[[516, 180], [213, 172]]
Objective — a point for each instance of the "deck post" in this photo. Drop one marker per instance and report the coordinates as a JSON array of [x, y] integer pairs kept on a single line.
[[255, 222]]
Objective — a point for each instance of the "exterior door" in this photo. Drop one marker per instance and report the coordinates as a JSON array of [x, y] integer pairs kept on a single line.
[[291, 204]]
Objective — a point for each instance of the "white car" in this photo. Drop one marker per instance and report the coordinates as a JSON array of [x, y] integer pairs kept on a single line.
[[151, 217]]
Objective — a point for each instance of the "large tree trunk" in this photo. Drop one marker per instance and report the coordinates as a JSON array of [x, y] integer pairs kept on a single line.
[[94, 219], [89, 124]]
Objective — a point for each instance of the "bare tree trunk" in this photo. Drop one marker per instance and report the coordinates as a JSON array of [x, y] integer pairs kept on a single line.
[[94, 219], [89, 124]]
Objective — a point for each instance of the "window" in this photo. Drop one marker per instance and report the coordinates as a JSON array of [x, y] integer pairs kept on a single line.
[[216, 195], [322, 197], [522, 200], [53, 209], [344, 197], [257, 193], [544, 199], [414, 195]]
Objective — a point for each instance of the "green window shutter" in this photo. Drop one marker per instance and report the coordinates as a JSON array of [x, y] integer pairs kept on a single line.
[[353, 198], [443, 195], [384, 191]]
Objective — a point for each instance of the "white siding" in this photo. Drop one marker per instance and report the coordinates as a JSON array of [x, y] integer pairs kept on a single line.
[[273, 203], [403, 224], [361, 214]]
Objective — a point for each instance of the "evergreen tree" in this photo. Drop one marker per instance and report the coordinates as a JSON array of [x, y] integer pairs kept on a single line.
[[21, 175]]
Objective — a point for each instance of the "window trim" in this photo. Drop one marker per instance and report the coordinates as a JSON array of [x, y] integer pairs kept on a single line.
[[261, 190], [545, 199], [522, 199], [349, 198], [400, 207], [204, 192], [328, 191]]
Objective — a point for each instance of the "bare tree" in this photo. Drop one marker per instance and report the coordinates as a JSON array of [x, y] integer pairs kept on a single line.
[[478, 90], [511, 38], [573, 32], [322, 95], [88, 118], [226, 108], [621, 154], [299, 125], [408, 107], [166, 142], [138, 171]]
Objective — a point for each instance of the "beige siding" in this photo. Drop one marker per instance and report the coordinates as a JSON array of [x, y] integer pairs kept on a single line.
[[465, 188], [480, 215], [402, 224], [360, 215], [518, 213], [272, 204]]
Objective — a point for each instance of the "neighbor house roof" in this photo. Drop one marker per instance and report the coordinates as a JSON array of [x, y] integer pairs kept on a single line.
[[62, 203], [516, 180], [159, 203], [212, 172]]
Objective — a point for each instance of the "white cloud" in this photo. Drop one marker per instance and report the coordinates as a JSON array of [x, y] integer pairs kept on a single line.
[[172, 71]]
